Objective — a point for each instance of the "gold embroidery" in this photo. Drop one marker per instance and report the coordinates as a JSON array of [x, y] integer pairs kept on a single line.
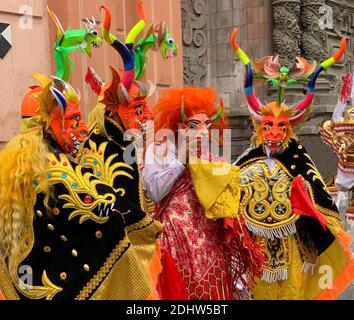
[[47, 291], [323, 210], [6, 286], [139, 225], [228, 201], [103, 272], [266, 200], [47, 249], [79, 185], [315, 172], [93, 158], [278, 259], [53, 289]]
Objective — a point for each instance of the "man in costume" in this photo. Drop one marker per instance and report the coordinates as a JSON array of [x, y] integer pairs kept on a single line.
[[122, 106], [199, 246], [70, 229], [338, 133], [62, 228], [285, 201]]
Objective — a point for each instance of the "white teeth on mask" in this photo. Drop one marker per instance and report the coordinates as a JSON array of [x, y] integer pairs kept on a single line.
[[107, 212], [99, 206], [105, 207], [112, 206], [101, 213]]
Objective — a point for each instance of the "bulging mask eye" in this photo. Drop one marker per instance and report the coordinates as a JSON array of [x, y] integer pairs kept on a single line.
[[94, 33], [170, 41], [139, 110], [284, 129], [266, 128]]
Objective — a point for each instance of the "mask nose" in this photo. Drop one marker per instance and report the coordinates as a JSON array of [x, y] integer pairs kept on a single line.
[[204, 132]]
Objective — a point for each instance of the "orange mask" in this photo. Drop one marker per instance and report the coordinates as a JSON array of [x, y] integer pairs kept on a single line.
[[135, 114], [69, 130], [274, 131]]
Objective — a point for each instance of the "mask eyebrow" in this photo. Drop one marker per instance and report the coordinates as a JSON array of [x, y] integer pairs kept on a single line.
[[194, 121], [269, 123]]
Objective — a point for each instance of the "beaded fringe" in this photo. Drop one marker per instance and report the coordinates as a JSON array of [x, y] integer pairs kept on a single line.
[[271, 233], [270, 277]]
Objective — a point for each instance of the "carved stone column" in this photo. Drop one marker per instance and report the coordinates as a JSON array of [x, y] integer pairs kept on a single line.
[[313, 39], [286, 34], [195, 42]]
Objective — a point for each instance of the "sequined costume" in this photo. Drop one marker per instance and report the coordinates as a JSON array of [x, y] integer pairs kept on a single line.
[[285, 201], [338, 133], [193, 204]]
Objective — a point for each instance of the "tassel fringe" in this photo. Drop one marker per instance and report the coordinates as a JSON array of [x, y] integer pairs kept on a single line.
[[269, 233], [94, 81], [270, 277]]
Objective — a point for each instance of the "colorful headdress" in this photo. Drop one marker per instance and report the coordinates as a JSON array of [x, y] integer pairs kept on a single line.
[[55, 105], [302, 72], [72, 40], [156, 37]]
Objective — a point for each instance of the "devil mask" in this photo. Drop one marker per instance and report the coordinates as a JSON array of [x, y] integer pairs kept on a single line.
[[58, 105]]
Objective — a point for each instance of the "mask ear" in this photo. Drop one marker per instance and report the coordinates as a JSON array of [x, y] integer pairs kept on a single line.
[[60, 98]]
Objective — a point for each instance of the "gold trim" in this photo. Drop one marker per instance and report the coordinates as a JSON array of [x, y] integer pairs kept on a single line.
[[139, 225], [103, 272], [325, 211], [6, 286], [48, 284]]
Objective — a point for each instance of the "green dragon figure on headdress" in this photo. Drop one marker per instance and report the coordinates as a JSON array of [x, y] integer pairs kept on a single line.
[[157, 37], [71, 40]]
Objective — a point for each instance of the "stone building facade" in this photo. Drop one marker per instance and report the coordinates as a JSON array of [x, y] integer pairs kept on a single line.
[[311, 28]]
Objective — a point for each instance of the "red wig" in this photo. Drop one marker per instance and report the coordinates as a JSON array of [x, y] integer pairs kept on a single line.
[[167, 111]]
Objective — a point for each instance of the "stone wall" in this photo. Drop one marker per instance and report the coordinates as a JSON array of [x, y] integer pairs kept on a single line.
[[268, 27]]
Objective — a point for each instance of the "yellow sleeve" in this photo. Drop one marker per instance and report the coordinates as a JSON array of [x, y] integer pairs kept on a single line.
[[217, 186]]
